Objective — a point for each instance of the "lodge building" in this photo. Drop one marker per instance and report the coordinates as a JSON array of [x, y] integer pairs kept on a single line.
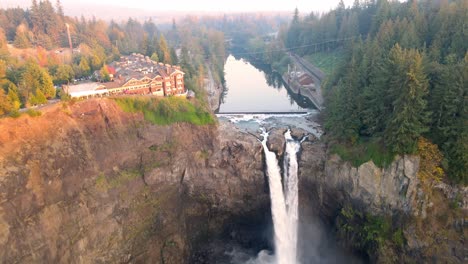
[[135, 74]]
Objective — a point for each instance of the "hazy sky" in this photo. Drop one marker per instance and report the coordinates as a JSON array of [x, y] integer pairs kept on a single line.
[[230, 5], [200, 5]]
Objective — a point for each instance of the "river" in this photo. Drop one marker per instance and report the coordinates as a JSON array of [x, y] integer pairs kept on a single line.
[[255, 89]]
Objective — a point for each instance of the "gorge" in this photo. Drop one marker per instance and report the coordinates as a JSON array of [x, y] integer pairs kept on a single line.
[[264, 137], [95, 184]]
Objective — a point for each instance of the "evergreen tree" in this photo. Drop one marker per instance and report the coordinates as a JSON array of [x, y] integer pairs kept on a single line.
[[21, 38], [292, 39], [376, 105], [37, 79], [5, 105], [155, 57], [408, 88], [63, 74], [13, 97], [37, 98], [84, 67], [165, 53], [59, 8], [3, 45], [104, 74], [174, 58]]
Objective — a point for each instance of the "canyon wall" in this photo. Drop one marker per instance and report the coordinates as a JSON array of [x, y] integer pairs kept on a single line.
[[88, 183], [430, 215]]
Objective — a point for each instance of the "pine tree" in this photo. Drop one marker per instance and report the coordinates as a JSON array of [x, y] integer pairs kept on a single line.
[[63, 74], [59, 8], [408, 88], [3, 69], [449, 118], [165, 53], [343, 116], [144, 46], [13, 97], [37, 98], [292, 39], [37, 79], [104, 74], [375, 106], [5, 105], [3, 45], [174, 58], [155, 57], [84, 67]]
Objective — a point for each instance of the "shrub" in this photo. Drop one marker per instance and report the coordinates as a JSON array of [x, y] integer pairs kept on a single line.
[[363, 151], [430, 166], [33, 113], [368, 233], [15, 114]]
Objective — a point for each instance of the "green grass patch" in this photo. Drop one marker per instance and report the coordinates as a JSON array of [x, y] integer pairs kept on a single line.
[[364, 151], [33, 113], [14, 114], [326, 61], [165, 111]]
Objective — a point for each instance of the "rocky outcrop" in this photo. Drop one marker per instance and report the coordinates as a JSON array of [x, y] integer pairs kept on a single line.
[[432, 230], [380, 190], [88, 183]]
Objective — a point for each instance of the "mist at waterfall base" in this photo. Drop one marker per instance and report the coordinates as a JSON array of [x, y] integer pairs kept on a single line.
[[296, 238]]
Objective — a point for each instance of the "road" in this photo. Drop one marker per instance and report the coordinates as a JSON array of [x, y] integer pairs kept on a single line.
[[39, 107]]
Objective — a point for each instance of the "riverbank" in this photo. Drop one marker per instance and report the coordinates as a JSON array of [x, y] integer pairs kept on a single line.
[[214, 91], [312, 91]]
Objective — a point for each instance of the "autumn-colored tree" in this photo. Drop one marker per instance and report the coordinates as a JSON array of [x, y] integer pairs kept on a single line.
[[37, 82], [3, 69], [84, 68], [3, 45], [11, 92], [5, 105], [63, 74], [22, 37], [165, 52], [41, 54], [104, 74], [155, 57]]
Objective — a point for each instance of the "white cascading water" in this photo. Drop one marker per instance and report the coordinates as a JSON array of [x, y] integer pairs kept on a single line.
[[284, 203]]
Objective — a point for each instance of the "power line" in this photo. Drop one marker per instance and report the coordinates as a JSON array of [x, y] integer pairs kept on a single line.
[[297, 47]]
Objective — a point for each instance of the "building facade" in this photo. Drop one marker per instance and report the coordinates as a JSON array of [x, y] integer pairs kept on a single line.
[[137, 74]]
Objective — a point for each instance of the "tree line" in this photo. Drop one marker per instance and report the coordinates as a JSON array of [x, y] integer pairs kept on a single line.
[[405, 75], [39, 58]]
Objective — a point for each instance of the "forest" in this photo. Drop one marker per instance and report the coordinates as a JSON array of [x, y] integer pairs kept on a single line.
[[404, 79], [35, 58]]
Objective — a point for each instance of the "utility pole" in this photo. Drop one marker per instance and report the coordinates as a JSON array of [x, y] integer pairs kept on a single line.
[[69, 37]]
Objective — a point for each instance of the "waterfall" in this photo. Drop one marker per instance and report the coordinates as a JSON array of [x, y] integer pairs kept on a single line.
[[284, 200]]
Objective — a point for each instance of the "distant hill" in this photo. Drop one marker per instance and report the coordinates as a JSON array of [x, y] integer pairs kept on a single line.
[[101, 11], [118, 13]]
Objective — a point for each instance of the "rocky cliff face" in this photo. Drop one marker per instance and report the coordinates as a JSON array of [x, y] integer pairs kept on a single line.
[[432, 228], [88, 183]]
